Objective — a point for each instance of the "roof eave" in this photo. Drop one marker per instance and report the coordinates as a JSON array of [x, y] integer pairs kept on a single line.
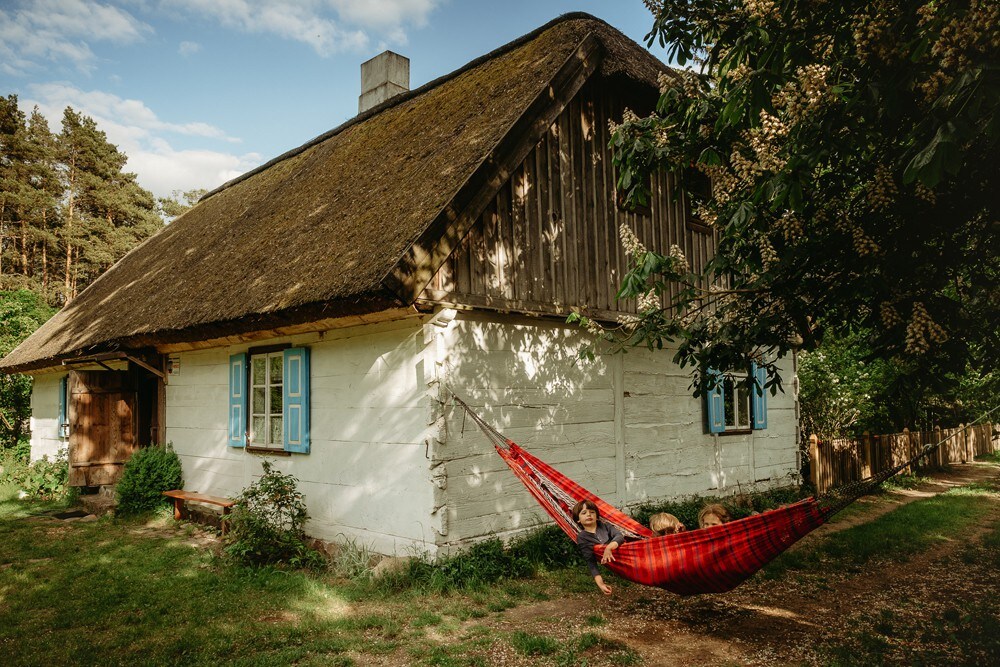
[[275, 321]]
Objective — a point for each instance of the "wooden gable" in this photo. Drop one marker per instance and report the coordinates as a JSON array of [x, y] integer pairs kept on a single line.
[[548, 242]]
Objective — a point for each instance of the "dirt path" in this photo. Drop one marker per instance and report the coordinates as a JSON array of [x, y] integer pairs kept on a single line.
[[779, 622]]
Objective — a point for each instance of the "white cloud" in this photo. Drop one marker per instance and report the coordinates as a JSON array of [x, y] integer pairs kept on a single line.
[[165, 170], [113, 111], [385, 14], [310, 21], [188, 48], [59, 30], [296, 20], [144, 138]]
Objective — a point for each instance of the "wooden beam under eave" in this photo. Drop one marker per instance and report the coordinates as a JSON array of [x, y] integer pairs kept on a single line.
[[155, 371], [415, 270], [291, 330]]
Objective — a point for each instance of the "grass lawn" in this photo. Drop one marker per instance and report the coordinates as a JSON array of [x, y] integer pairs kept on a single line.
[[151, 592]]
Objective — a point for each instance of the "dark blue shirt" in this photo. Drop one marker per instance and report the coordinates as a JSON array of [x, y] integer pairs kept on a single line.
[[605, 534]]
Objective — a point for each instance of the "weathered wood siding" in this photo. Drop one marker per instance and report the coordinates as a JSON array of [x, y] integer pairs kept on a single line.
[[549, 240], [624, 426], [45, 440], [366, 476]]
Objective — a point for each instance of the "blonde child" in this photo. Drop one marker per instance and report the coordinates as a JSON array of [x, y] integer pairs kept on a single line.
[[665, 524]]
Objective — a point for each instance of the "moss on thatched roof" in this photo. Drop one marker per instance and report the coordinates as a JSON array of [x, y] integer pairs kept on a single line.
[[313, 233]]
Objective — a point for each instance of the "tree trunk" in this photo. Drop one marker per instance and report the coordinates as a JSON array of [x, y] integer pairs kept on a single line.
[[25, 268], [45, 266]]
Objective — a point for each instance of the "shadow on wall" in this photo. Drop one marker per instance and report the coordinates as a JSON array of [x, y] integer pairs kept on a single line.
[[524, 377]]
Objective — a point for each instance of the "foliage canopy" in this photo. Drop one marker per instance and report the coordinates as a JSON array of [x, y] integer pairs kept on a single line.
[[851, 150]]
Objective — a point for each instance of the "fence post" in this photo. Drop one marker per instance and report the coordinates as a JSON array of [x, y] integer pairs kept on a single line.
[[942, 452], [907, 449], [815, 465], [963, 448], [866, 455]]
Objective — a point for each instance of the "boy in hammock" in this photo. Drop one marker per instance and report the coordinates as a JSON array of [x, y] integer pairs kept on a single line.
[[595, 532]]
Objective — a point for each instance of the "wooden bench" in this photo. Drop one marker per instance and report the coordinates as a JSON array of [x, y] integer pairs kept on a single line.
[[180, 497]]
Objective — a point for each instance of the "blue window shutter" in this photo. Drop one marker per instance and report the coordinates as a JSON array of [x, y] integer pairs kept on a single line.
[[237, 399], [758, 397], [715, 407], [295, 397], [63, 419]]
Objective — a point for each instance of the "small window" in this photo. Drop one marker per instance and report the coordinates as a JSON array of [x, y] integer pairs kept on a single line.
[[737, 405], [266, 411], [736, 399]]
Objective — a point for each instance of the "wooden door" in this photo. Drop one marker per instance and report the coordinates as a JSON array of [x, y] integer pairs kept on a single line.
[[101, 426]]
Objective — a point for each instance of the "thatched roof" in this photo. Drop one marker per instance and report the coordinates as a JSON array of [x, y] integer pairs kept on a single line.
[[316, 232]]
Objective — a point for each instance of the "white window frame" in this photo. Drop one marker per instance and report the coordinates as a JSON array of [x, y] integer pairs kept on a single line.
[[735, 393], [269, 413]]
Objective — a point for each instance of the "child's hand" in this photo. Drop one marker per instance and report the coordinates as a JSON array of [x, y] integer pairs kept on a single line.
[[599, 580], [609, 553]]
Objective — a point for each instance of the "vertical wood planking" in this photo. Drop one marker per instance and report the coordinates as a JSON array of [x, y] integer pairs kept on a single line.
[[549, 238]]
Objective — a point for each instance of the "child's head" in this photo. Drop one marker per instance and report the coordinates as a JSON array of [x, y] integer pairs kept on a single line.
[[713, 515], [580, 506], [665, 524]]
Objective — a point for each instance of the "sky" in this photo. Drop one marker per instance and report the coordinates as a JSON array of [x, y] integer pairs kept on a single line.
[[196, 92]]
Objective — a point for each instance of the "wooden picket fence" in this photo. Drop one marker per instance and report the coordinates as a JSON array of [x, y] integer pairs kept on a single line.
[[836, 462]]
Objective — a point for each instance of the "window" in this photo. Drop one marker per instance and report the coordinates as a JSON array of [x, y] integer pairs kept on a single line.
[[276, 382], [266, 416], [735, 407], [736, 402]]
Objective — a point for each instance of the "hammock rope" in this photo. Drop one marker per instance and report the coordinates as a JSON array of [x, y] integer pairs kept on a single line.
[[710, 560]]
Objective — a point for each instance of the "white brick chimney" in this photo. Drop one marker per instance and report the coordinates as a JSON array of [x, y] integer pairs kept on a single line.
[[384, 76]]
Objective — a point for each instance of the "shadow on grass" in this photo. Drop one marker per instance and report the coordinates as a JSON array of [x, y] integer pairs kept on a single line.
[[894, 536]]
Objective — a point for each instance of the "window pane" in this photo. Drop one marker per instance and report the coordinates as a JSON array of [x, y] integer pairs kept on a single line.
[[259, 407], [276, 362], [743, 401], [275, 431], [275, 400], [727, 398], [258, 433], [257, 370]]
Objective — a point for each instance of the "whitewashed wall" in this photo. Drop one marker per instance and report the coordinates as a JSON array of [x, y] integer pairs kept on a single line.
[[367, 476], [624, 426], [45, 440]]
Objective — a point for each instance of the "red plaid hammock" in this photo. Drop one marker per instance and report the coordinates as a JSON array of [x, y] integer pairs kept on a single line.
[[709, 560]]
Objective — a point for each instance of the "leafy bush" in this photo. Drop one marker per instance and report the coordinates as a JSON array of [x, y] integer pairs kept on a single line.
[[266, 524], [488, 562], [42, 480], [150, 472]]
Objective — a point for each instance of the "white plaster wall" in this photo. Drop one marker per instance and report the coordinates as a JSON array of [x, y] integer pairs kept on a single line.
[[668, 452], [45, 440], [366, 476], [624, 426]]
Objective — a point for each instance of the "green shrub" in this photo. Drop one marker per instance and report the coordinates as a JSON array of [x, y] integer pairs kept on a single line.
[[42, 480], [266, 524], [150, 472], [22, 450]]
